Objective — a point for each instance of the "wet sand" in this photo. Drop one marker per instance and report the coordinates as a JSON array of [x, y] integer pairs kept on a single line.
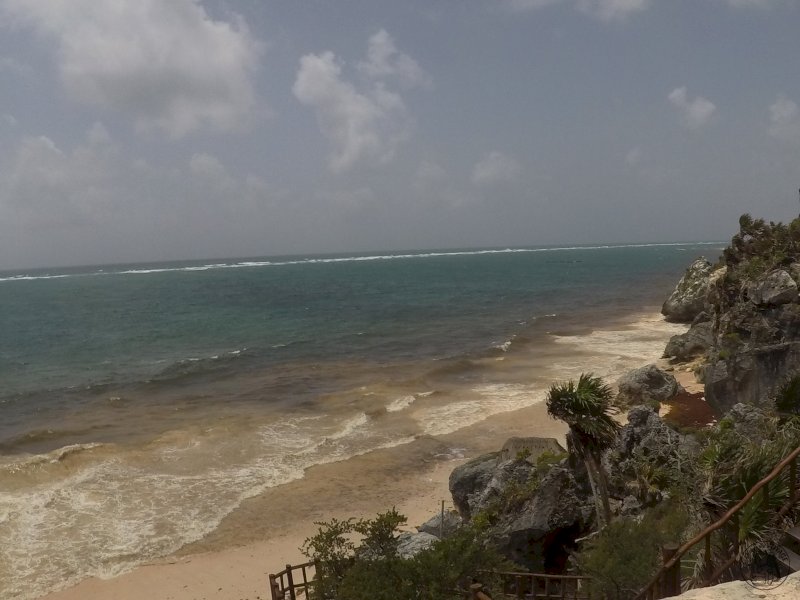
[[266, 532]]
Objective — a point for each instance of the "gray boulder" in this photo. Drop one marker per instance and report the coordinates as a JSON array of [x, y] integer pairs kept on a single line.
[[646, 385], [773, 289], [689, 297], [410, 544], [693, 343], [468, 482], [434, 526], [645, 436], [516, 472], [539, 534]]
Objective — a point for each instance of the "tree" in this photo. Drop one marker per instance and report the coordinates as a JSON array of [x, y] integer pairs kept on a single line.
[[586, 408]]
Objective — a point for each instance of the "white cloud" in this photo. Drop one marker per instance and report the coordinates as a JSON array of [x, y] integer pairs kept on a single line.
[[694, 113], [784, 119], [385, 61], [495, 167], [168, 65], [362, 124], [605, 10], [612, 10]]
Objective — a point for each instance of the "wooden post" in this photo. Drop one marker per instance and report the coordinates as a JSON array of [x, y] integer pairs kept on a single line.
[[520, 587], [441, 523], [735, 522], [290, 582], [707, 567], [274, 588], [671, 586], [793, 481]]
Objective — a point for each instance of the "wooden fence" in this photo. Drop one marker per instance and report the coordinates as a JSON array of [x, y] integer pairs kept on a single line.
[[294, 582], [538, 586], [298, 582], [667, 582]]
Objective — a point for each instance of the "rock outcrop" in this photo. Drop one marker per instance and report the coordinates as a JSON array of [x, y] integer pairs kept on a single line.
[[540, 534], [690, 345], [773, 289], [435, 527], [552, 505], [689, 297], [469, 481], [410, 544], [746, 315], [745, 590], [646, 385]]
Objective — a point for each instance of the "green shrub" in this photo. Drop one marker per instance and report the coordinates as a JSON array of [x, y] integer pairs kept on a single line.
[[626, 554], [369, 568]]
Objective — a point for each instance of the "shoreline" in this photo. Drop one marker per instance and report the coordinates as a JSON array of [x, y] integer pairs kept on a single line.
[[280, 523], [265, 532]]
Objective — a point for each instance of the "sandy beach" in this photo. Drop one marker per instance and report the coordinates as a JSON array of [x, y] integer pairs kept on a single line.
[[266, 531]]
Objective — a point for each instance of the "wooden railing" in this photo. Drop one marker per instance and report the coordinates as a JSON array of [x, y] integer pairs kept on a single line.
[[667, 582], [536, 586], [294, 582]]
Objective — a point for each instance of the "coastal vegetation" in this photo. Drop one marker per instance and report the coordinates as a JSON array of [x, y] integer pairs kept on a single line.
[[620, 494]]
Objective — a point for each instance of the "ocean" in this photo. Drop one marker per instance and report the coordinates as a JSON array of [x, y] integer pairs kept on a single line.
[[140, 404]]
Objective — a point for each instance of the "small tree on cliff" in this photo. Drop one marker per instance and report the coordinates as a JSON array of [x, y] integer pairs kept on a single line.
[[587, 409]]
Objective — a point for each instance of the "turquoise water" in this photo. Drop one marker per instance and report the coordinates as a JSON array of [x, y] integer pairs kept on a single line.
[[141, 404]]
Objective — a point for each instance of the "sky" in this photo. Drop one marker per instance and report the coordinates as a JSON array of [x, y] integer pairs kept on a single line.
[[143, 130]]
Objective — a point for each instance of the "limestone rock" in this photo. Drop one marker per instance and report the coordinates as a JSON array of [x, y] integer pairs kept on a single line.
[[410, 544], [773, 289], [743, 590], [434, 526], [750, 375], [539, 535], [646, 385], [516, 472], [531, 447], [645, 435], [693, 343], [468, 482], [689, 297]]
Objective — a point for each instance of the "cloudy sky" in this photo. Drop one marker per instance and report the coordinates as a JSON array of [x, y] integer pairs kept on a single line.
[[135, 130]]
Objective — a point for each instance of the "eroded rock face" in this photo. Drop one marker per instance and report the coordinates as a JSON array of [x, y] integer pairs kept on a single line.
[[692, 344], [645, 435], [645, 385], [434, 526], [540, 534], [750, 375], [689, 297], [410, 544], [773, 289], [468, 482]]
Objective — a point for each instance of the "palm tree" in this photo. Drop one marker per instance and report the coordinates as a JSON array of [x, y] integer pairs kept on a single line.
[[586, 408]]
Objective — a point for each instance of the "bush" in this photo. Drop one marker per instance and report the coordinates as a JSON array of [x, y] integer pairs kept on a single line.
[[626, 554], [370, 569]]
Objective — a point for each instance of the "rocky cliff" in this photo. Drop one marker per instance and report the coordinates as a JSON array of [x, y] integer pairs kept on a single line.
[[749, 326]]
